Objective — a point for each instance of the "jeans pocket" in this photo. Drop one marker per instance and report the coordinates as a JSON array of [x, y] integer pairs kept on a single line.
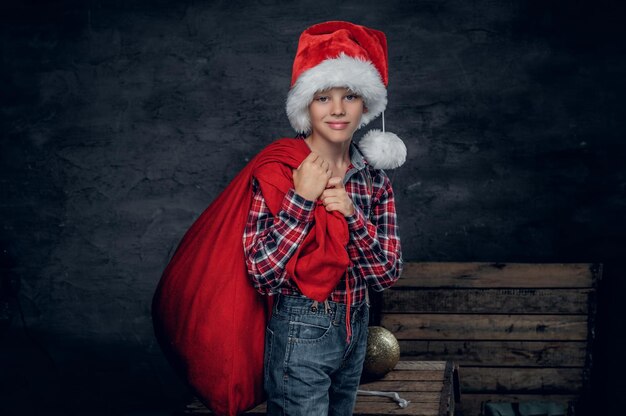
[[309, 327]]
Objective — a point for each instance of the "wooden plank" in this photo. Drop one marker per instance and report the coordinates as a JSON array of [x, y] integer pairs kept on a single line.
[[259, 410], [451, 392], [197, 408], [415, 409], [413, 375], [518, 380], [420, 365], [498, 353], [402, 385], [497, 275], [511, 301], [471, 404], [487, 327], [413, 397]]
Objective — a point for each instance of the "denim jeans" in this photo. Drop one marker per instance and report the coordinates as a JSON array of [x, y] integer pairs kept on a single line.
[[310, 367]]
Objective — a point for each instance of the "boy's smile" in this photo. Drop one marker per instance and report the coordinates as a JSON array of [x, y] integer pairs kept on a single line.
[[335, 114], [338, 125]]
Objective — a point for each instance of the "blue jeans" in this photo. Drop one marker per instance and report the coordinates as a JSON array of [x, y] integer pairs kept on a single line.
[[310, 367]]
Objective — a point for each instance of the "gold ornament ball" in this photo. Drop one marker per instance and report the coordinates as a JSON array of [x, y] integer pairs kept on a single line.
[[383, 352]]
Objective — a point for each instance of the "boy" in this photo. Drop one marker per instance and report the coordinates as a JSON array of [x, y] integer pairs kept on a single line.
[[331, 233]]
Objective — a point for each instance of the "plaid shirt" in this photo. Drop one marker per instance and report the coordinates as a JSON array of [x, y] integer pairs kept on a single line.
[[374, 246]]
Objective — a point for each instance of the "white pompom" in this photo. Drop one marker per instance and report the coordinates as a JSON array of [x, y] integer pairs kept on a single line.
[[383, 150]]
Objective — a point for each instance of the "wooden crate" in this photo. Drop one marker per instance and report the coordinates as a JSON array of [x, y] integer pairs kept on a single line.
[[518, 331], [431, 387]]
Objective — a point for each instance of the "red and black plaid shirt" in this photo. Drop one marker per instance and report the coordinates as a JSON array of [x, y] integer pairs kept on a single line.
[[374, 246]]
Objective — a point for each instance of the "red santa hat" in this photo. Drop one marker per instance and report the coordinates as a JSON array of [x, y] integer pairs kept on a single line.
[[342, 54]]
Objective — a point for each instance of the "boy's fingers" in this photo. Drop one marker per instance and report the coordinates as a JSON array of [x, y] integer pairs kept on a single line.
[[334, 181], [311, 157]]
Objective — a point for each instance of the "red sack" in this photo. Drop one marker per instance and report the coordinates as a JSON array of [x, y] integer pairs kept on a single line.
[[208, 318]]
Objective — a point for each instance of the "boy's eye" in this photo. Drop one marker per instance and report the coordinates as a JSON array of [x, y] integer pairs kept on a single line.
[[351, 97], [322, 98]]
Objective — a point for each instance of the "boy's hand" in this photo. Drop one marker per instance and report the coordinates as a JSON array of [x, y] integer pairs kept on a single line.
[[311, 177], [335, 198]]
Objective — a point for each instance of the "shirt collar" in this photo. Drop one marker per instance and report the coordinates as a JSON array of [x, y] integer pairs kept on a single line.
[[356, 157]]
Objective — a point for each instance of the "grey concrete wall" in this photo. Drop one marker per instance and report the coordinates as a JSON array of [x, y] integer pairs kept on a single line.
[[122, 121]]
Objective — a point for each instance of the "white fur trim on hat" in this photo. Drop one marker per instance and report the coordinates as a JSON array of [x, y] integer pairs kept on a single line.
[[383, 150], [356, 74]]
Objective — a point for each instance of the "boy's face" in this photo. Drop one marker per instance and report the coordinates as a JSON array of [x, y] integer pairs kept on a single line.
[[336, 114]]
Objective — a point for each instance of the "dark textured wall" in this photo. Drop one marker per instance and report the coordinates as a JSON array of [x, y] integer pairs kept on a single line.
[[121, 121]]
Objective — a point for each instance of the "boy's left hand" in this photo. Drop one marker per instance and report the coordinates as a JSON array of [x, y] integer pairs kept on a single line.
[[335, 197]]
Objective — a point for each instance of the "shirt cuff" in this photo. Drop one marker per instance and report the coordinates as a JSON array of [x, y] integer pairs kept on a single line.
[[298, 207], [356, 222]]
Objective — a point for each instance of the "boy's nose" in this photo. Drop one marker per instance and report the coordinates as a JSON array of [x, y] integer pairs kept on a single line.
[[337, 107]]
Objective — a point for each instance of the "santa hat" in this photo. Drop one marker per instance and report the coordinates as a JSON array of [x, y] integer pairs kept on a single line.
[[342, 54]]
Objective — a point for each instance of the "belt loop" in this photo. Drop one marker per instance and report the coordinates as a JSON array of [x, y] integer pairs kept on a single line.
[[326, 307]]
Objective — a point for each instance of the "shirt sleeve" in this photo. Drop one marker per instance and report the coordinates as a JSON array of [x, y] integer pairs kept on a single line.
[[269, 242], [377, 239]]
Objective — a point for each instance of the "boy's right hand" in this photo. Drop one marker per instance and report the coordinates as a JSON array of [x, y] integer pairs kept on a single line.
[[311, 177]]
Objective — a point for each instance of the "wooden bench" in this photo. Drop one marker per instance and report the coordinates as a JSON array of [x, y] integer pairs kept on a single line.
[[431, 387], [519, 332]]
